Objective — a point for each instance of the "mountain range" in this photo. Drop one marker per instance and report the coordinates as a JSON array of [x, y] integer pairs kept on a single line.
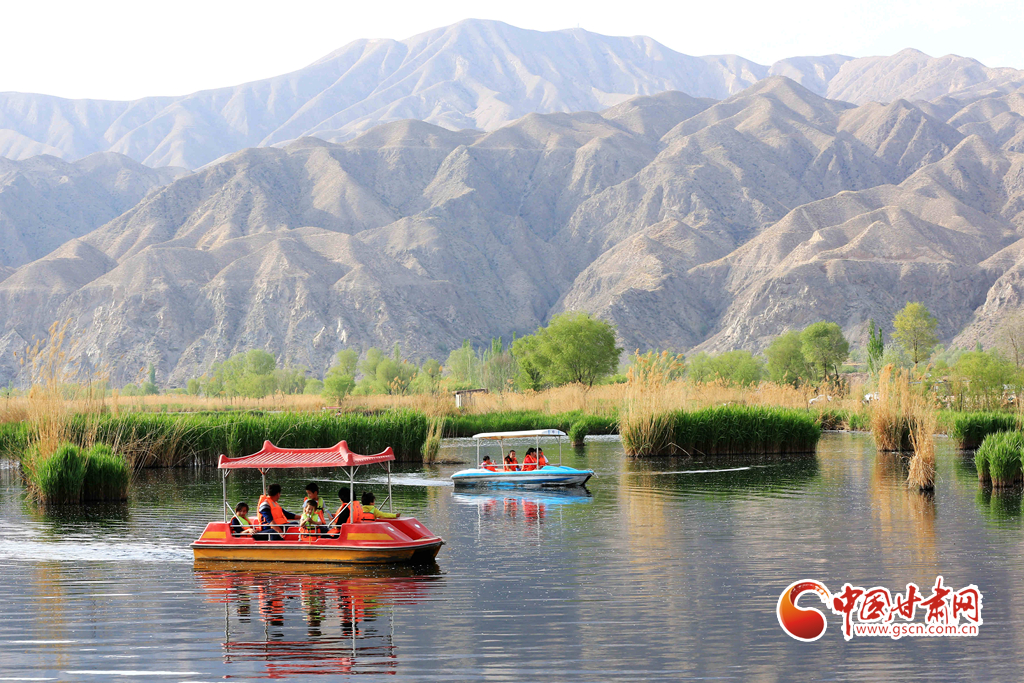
[[473, 74], [692, 220]]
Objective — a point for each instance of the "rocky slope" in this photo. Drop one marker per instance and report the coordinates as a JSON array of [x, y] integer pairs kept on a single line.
[[44, 202], [688, 222]]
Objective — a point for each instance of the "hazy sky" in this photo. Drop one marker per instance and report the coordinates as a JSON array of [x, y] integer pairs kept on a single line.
[[124, 50]]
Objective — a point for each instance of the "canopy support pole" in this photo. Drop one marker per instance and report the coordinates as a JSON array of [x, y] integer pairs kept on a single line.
[[224, 489], [559, 451], [351, 491], [263, 476], [478, 453], [387, 466]]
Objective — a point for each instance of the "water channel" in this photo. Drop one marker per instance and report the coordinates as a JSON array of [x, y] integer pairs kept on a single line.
[[663, 570]]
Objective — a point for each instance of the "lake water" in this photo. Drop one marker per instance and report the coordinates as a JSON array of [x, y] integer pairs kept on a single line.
[[663, 570]]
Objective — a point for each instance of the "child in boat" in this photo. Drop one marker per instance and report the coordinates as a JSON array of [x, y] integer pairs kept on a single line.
[[313, 495], [240, 524], [511, 463], [308, 527], [530, 461], [369, 508], [488, 464]]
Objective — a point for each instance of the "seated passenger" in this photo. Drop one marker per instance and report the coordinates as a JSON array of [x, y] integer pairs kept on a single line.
[[488, 464], [273, 517], [369, 509], [347, 512], [511, 464], [530, 461], [313, 495], [240, 524], [308, 528], [541, 460]]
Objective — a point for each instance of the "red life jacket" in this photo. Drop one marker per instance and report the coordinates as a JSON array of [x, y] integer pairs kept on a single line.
[[489, 465], [529, 463], [541, 461]]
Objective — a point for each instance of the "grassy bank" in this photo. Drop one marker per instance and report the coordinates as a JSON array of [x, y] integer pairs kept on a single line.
[[165, 440], [725, 430]]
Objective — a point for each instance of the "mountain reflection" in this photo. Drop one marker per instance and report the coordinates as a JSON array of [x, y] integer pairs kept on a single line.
[[315, 619]]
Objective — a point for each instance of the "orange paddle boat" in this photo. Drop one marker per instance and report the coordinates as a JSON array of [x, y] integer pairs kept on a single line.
[[380, 541]]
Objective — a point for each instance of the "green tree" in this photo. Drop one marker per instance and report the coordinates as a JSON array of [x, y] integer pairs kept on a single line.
[[786, 362], [384, 375], [824, 347], [337, 386], [978, 379], [340, 378], [530, 374], [462, 365], [573, 348], [915, 331], [876, 347], [498, 367], [314, 387], [701, 368], [193, 386]]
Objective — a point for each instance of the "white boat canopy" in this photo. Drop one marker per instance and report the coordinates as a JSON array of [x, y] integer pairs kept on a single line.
[[496, 436]]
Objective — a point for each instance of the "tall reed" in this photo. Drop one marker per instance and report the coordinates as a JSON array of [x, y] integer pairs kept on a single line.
[[922, 437], [893, 411], [646, 422]]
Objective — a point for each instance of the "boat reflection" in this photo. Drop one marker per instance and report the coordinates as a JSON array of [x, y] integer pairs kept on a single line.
[[529, 505], [312, 619]]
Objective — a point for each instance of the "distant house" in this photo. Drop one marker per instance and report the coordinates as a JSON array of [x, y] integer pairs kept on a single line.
[[464, 397]]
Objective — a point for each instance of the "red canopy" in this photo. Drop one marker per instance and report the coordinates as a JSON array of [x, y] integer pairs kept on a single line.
[[272, 457]]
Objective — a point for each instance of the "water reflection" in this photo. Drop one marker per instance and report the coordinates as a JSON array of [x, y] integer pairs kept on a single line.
[[318, 619], [1000, 504]]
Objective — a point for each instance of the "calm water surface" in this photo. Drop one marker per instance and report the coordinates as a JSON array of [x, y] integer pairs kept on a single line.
[[664, 569]]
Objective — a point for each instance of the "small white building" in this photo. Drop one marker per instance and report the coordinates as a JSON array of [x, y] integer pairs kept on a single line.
[[464, 397]]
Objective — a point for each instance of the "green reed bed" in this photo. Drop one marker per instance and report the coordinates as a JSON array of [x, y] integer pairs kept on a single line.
[[731, 430], [163, 440], [999, 459], [968, 430], [836, 419], [72, 475], [14, 438]]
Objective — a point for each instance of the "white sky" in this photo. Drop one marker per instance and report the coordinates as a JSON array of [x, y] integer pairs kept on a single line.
[[124, 50]]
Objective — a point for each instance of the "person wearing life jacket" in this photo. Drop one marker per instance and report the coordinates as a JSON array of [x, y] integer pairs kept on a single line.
[[530, 460], [309, 530], [240, 524], [273, 517], [541, 460], [348, 512], [370, 511], [511, 463], [488, 464], [313, 494]]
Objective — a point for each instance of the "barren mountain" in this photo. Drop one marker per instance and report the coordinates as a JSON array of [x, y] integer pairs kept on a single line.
[[474, 74], [44, 202], [687, 222]]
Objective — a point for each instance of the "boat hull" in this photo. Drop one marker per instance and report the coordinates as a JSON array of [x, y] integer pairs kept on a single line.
[[550, 475], [400, 541]]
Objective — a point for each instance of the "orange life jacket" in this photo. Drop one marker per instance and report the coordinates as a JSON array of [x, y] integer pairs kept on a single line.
[[319, 508], [529, 463], [511, 464], [355, 513], [276, 512], [489, 465], [542, 461]]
